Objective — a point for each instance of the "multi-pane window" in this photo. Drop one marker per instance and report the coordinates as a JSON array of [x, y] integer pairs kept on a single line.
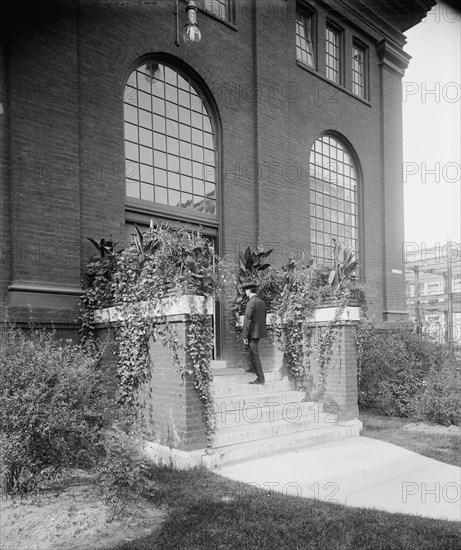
[[304, 38], [333, 197], [333, 54], [169, 141], [224, 9], [358, 70], [434, 287]]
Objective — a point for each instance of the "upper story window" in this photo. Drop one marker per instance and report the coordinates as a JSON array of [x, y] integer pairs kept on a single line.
[[333, 197], [359, 70], [169, 141], [305, 51], [223, 9], [333, 54], [346, 61], [434, 287]]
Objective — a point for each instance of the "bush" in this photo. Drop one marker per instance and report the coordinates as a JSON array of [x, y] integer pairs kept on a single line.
[[406, 374], [125, 473], [52, 409], [441, 400]]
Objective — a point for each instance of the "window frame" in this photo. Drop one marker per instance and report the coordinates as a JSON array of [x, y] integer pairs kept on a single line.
[[329, 200], [358, 44], [145, 209], [308, 12], [339, 32], [230, 8]]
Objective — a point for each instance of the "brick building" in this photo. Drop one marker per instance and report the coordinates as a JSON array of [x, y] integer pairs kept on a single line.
[[433, 290], [283, 124]]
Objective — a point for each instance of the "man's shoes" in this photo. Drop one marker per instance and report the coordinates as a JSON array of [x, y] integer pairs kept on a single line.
[[256, 382]]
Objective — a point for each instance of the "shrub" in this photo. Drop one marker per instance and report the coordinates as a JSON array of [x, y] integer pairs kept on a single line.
[[406, 374], [124, 473], [440, 402], [52, 409]]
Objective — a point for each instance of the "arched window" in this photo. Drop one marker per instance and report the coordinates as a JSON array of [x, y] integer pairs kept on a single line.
[[333, 197], [170, 146]]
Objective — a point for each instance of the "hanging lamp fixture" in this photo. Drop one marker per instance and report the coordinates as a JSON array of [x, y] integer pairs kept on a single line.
[[191, 33]]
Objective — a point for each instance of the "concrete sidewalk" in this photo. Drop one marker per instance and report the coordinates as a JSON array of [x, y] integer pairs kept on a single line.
[[359, 472]]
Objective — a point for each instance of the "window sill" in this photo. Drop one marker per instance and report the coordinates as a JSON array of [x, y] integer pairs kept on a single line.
[[163, 210], [327, 80]]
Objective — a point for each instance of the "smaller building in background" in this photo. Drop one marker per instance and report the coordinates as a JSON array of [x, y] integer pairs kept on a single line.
[[433, 289]]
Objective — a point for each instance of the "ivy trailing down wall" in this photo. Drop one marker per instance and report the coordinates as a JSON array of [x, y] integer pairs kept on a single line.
[[166, 263], [163, 264], [293, 293]]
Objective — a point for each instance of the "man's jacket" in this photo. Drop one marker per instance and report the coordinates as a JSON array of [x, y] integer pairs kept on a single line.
[[254, 323]]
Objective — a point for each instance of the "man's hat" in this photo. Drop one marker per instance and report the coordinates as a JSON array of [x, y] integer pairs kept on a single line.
[[250, 284]]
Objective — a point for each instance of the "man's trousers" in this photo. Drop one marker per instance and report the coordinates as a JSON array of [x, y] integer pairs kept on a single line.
[[254, 361]]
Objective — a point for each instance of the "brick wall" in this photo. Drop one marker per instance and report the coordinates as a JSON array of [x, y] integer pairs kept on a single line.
[[393, 276], [66, 82], [341, 380], [5, 244], [44, 155], [173, 410]]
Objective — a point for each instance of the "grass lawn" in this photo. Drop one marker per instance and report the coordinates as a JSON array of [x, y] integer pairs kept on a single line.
[[209, 512], [435, 442], [205, 511], [197, 509]]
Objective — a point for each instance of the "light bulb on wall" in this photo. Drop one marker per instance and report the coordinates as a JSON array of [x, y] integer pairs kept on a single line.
[[191, 33]]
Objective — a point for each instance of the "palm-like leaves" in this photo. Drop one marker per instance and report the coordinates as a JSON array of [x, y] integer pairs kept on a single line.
[[105, 248], [250, 263], [345, 265]]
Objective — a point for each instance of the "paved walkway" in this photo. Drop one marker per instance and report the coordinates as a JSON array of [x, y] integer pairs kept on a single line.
[[359, 472]]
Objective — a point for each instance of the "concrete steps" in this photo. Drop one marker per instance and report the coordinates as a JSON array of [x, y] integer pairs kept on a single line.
[[259, 396], [271, 411], [240, 433], [251, 450], [254, 421], [236, 390], [223, 377], [259, 420]]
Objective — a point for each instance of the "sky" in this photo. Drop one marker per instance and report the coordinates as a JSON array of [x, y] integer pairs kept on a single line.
[[432, 129]]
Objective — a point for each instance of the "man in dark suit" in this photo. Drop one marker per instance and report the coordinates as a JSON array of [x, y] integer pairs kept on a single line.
[[254, 328]]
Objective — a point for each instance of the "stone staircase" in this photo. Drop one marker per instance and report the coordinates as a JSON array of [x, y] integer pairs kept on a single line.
[[255, 421]]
